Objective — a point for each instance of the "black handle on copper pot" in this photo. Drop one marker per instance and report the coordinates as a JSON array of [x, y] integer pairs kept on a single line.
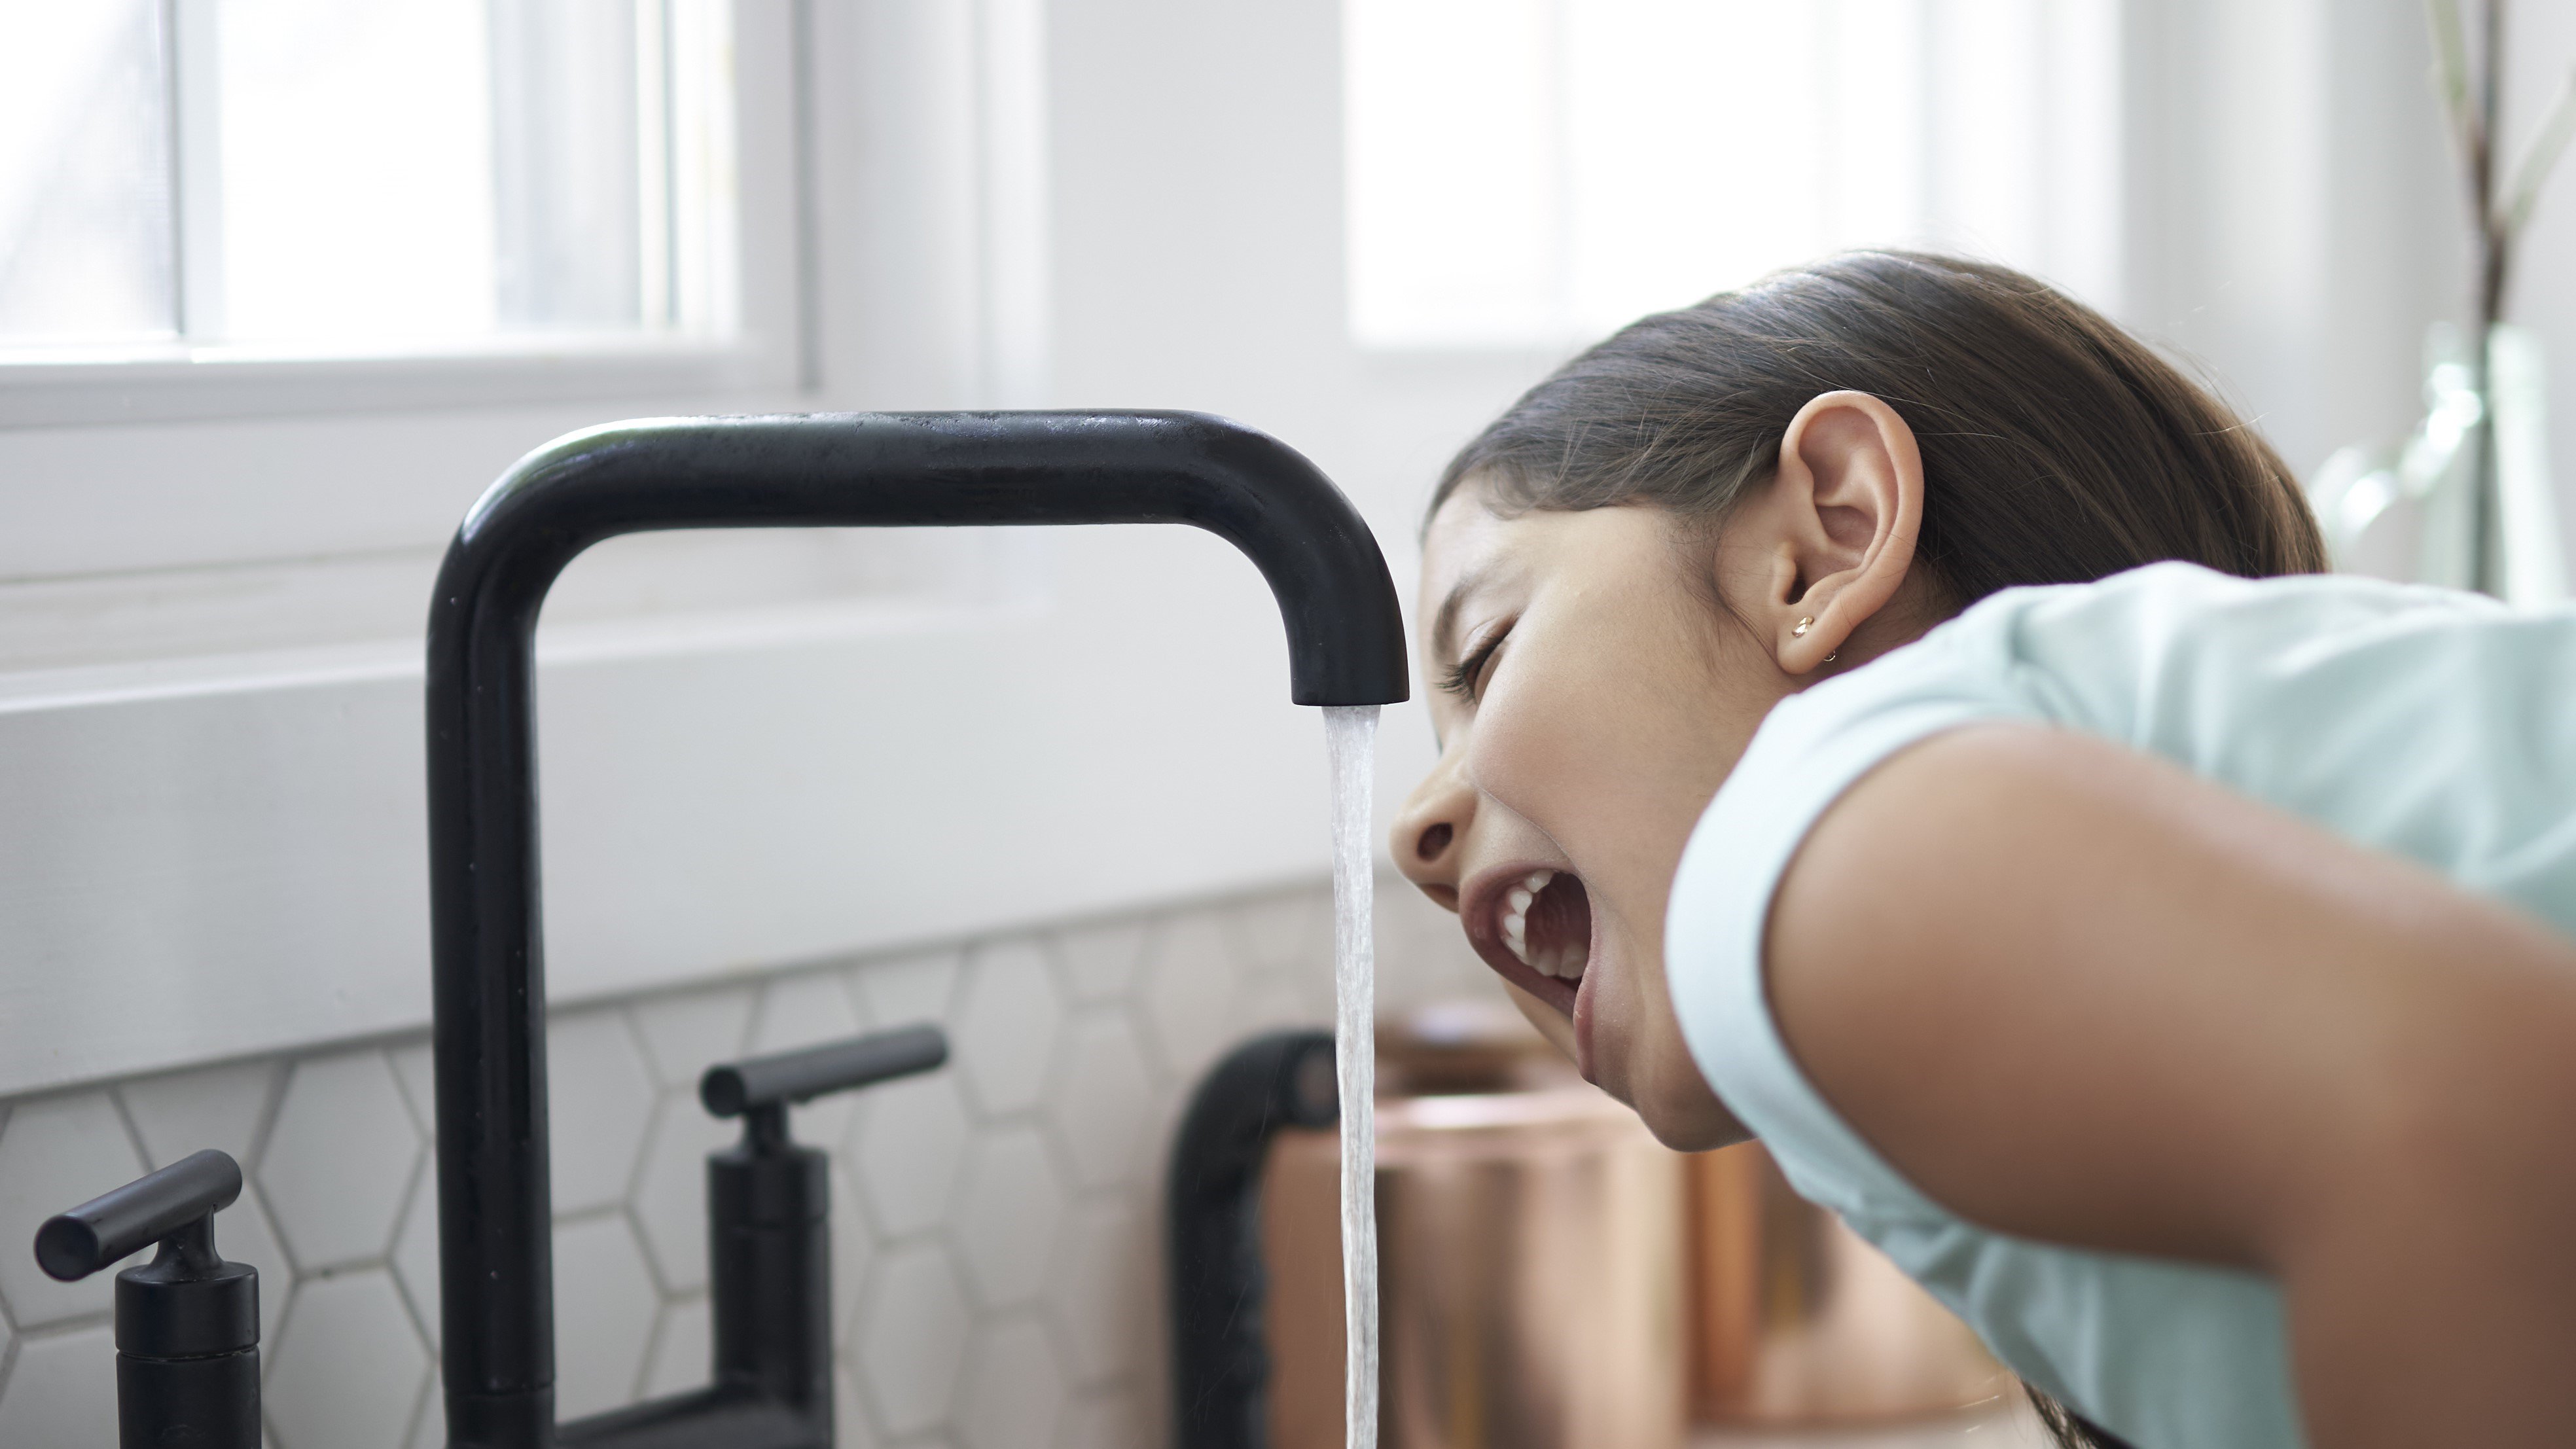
[[1220, 1366]]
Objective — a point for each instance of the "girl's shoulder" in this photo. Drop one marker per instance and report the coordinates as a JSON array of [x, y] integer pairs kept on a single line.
[[2171, 626], [2292, 689], [2427, 722]]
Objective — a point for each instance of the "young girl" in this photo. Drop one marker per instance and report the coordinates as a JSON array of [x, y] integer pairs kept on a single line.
[[2171, 968]]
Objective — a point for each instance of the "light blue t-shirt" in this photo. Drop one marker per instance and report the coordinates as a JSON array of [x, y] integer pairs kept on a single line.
[[2433, 725]]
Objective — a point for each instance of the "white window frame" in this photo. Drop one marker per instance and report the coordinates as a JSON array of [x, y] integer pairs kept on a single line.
[[769, 349]]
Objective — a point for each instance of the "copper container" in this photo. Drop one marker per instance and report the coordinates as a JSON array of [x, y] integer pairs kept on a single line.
[[1529, 1242], [1796, 1320]]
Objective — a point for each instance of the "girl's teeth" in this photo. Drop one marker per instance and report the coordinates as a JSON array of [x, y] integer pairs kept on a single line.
[[1516, 904]]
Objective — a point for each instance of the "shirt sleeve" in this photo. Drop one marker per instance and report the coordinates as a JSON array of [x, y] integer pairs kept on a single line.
[[1814, 746], [2164, 1353], [2167, 1355]]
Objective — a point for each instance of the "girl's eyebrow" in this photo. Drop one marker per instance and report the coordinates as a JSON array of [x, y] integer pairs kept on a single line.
[[1444, 624]]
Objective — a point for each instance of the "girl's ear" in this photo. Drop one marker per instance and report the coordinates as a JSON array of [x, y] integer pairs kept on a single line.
[[1835, 529]]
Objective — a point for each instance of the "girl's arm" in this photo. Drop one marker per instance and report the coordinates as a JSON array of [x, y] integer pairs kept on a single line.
[[2076, 994]]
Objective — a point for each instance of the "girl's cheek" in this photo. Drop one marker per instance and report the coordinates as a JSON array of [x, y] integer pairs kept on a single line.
[[1567, 744], [1526, 753], [1545, 718]]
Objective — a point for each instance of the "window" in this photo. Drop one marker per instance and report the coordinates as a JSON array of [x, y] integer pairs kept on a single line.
[[1528, 172], [239, 179]]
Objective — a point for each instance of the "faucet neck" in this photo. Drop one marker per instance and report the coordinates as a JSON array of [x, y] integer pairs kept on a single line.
[[188, 1252], [764, 1130]]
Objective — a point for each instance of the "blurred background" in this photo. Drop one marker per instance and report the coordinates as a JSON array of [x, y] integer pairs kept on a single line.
[[284, 284]]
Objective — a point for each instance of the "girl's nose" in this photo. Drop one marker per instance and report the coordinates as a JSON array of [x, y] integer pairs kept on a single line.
[[1428, 832]]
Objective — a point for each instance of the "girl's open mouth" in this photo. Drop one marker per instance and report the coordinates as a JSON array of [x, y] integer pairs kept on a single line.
[[1534, 927]]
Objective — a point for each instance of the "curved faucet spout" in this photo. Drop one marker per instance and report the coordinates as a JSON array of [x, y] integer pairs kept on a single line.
[[892, 470], [1345, 646]]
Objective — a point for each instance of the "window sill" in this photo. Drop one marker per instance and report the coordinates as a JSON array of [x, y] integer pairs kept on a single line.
[[169, 382]]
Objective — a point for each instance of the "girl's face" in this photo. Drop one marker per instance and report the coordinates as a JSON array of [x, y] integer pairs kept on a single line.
[[1589, 699], [1588, 704]]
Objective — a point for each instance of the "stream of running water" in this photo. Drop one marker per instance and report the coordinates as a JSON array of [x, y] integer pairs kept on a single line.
[[1350, 740]]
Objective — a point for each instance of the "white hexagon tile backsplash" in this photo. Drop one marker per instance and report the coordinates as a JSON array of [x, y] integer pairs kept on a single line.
[[995, 1239]]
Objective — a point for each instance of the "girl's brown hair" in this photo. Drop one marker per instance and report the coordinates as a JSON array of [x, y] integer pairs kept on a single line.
[[2056, 447]]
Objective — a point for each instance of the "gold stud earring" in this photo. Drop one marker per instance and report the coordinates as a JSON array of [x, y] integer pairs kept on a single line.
[[1830, 658], [1803, 626]]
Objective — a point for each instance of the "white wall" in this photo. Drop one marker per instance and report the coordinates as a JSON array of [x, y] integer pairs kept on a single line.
[[2281, 155], [2299, 214]]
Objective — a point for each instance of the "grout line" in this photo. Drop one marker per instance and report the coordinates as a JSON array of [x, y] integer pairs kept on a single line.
[[258, 1192], [412, 1202], [871, 1289], [1050, 959], [287, 1054], [656, 1113], [662, 1288], [423, 1115], [635, 1391], [420, 1401], [66, 1327], [847, 978], [934, 1235], [271, 1101], [625, 1013], [845, 1174], [125, 1119]]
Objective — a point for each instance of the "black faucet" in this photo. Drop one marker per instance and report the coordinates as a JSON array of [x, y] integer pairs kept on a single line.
[[1345, 647]]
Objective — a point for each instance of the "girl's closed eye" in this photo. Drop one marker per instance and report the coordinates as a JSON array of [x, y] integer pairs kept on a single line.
[[1466, 680]]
